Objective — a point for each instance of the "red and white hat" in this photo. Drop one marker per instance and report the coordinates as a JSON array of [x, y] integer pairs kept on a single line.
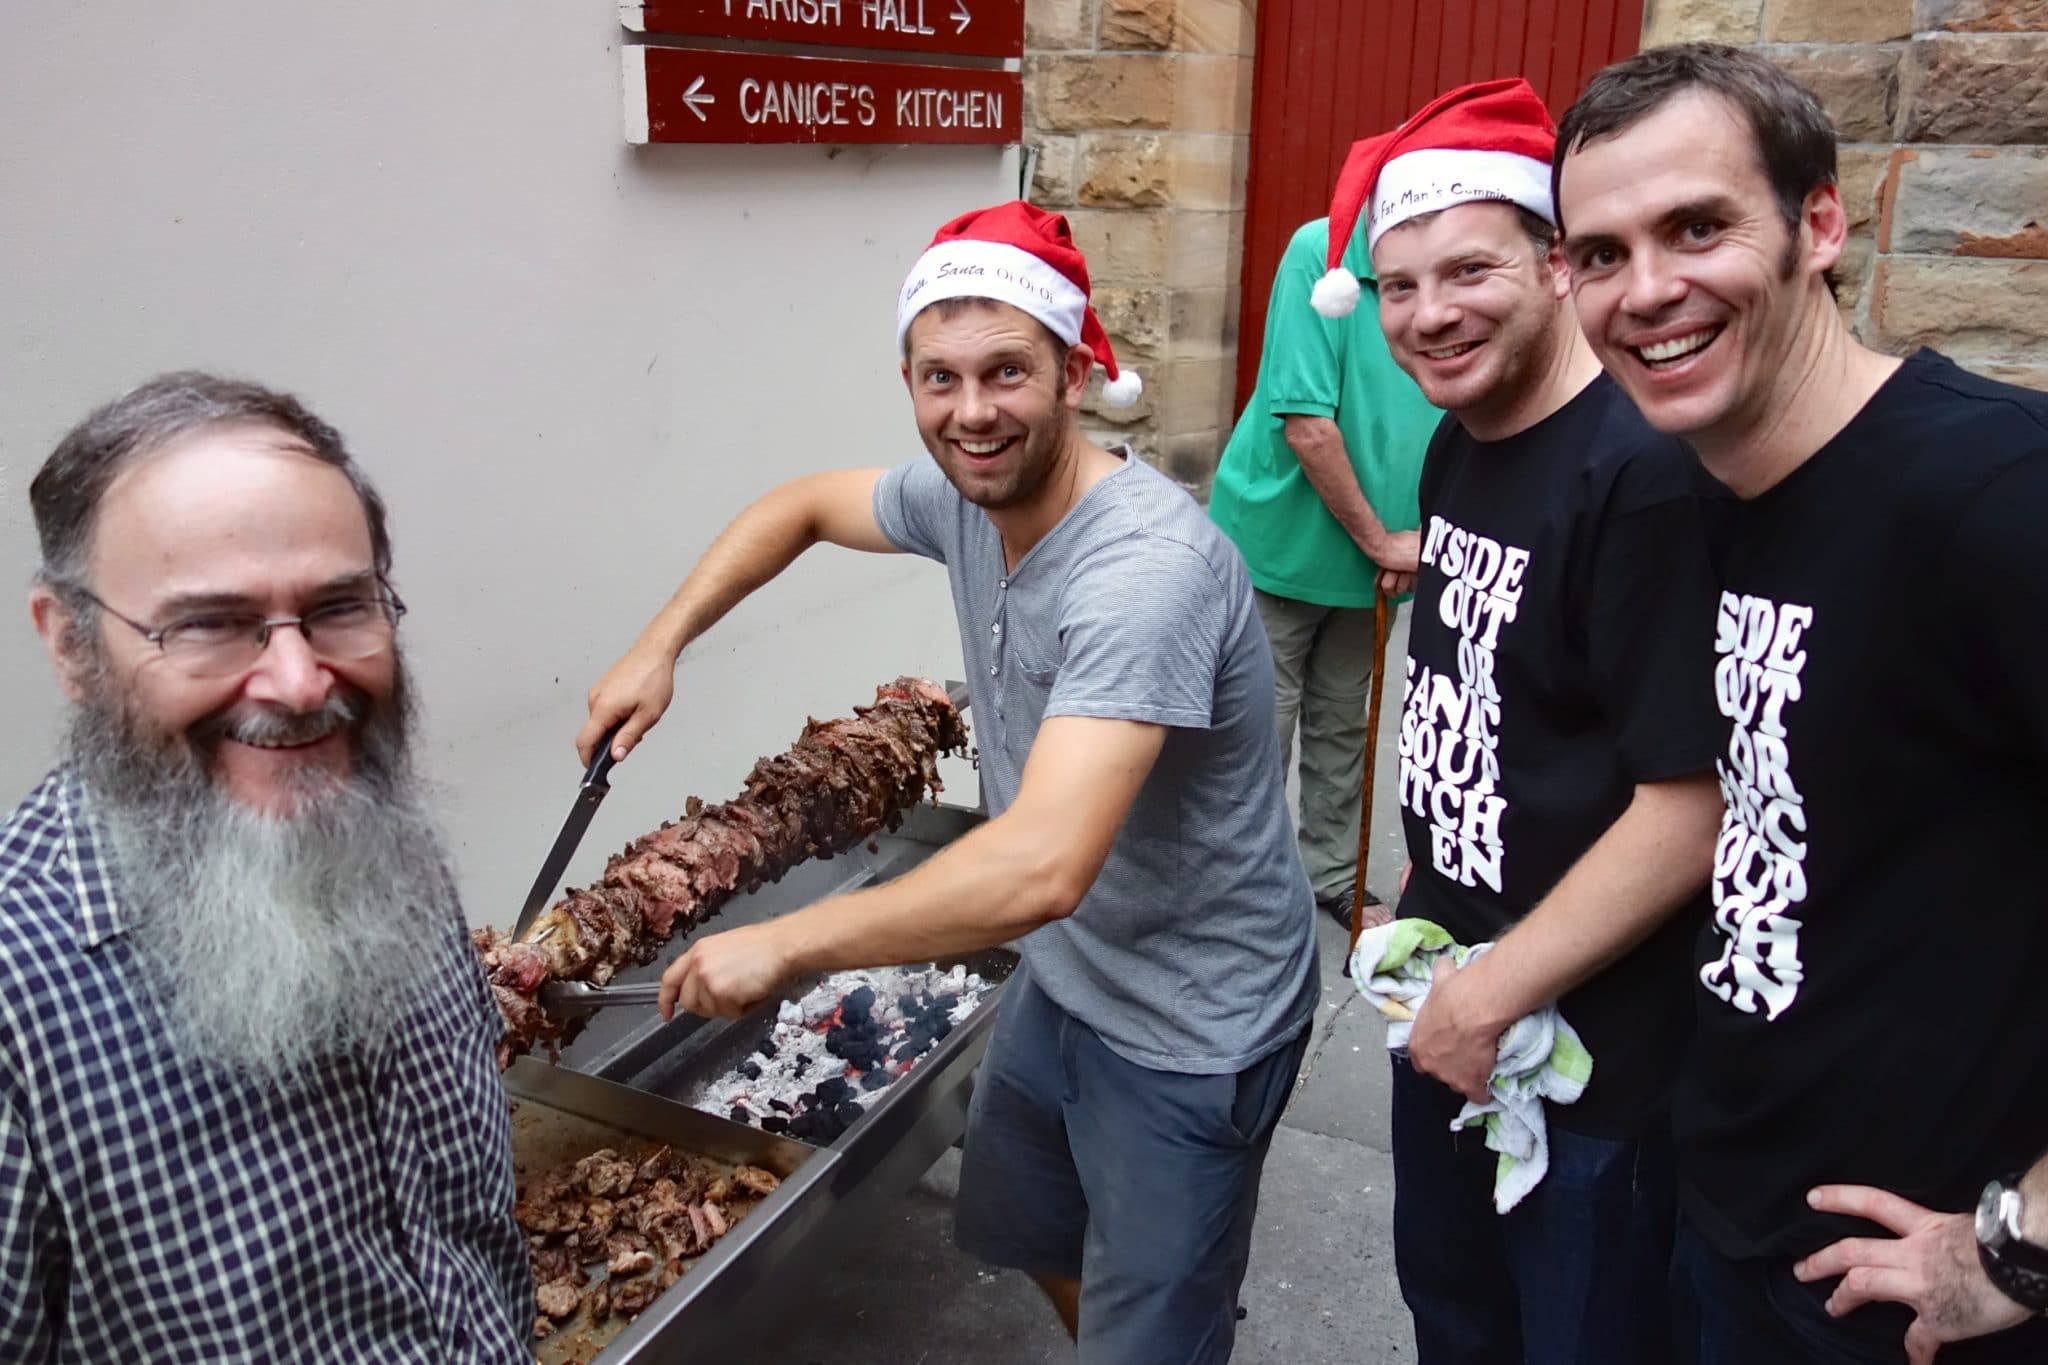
[[1016, 253], [1490, 140]]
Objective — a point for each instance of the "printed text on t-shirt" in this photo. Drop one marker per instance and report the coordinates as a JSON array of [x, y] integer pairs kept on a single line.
[[1760, 858], [1450, 727]]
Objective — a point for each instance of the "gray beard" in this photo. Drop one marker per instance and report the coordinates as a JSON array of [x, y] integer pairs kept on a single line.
[[272, 942]]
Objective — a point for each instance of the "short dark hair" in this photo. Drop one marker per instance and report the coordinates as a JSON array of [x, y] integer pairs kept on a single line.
[[66, 492], [1795, 139]]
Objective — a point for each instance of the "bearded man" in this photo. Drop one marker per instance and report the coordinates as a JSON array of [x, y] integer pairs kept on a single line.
[[1139, 843], [247, 1103]]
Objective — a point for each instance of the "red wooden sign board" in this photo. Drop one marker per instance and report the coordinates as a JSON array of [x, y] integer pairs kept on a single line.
[[967, 28], [680, 94]]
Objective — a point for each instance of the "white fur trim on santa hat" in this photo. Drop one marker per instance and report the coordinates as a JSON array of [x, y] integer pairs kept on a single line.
[[968, 269], [1433, 178], [1336, 294], [1124, 391]]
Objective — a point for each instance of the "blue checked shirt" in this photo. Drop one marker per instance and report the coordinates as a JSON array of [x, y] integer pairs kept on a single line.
[[153, 1210]]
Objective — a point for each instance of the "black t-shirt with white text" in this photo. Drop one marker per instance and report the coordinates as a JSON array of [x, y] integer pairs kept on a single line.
[[1870, 988], [1559, 654]]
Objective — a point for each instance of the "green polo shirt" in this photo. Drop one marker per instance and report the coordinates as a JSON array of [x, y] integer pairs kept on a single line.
[[1322, 367]]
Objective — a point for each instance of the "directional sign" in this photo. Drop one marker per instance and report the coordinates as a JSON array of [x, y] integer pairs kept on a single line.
[[968, 28], [680, 94]]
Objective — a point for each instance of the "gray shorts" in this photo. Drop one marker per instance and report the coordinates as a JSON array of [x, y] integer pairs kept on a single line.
[[1141, 1184]]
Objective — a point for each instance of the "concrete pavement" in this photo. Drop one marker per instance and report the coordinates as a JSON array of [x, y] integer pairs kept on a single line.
[[1320, 1289]]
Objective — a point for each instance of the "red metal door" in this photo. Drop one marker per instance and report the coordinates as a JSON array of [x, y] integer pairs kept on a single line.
[[1328, 72]]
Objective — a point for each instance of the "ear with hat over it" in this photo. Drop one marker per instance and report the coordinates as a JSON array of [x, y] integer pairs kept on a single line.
[[1336, 294]]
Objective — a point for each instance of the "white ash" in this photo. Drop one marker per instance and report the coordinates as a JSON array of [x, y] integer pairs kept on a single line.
[[807, 1089]]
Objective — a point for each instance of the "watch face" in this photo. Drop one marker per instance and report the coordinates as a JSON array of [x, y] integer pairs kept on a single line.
[[1990, 1229]]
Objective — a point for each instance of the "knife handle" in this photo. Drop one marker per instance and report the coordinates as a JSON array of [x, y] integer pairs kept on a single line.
[[599, 772]]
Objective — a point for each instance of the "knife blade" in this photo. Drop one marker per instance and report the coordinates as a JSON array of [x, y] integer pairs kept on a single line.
[[589, 796]]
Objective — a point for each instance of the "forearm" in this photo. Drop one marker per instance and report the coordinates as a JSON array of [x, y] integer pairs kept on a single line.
[[2034, 1199], [1319, 446], [1657, 855], [995, 884]]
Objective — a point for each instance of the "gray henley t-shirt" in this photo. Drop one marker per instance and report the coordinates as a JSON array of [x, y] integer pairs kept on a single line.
[[1195, 950]]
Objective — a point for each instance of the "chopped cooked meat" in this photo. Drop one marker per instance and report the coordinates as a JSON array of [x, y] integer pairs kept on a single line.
[[558, 1298], [630, 1263], [755, 1179], [843, 780], [631, 1213]]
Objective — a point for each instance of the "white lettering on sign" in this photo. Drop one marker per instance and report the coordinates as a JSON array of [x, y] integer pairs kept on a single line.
[[928, 108], [791, 11], [894, 16], [809, 104]]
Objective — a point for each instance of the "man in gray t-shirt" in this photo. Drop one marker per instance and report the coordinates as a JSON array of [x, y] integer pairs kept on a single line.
[[1139, 844]]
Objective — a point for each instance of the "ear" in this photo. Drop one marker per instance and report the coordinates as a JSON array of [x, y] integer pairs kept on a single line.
[[1080, 364], [53, 622], [1559, 268], [1824, 223], [906, 378]]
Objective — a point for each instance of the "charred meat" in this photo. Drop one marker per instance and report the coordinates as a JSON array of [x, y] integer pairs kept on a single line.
[[842, 781]]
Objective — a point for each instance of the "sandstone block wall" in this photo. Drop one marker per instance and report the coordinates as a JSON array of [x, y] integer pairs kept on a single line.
[[1139, 112], [1942, 106]]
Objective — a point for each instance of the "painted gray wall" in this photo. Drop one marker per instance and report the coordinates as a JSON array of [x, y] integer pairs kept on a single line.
[[566, 361]]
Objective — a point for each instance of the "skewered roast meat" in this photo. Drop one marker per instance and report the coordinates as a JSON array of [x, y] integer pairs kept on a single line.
[[842, 781]]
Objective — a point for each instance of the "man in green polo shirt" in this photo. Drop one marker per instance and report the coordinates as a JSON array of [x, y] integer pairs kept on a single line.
[[1317, 488]]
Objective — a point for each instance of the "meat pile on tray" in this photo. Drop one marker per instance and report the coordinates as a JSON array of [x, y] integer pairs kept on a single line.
[[841, 782], [608, 1232], [830, 1054]]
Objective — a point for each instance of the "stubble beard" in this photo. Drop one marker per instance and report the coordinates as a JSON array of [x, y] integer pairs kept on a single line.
[[272, 942]]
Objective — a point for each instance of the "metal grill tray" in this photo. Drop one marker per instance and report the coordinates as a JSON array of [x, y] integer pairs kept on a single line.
[[639, 1066]]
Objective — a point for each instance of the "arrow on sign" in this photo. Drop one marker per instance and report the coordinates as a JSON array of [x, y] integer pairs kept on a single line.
[[694, 100], [962, 17]]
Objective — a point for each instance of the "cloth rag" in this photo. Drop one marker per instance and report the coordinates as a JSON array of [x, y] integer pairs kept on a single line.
[[1540, 1058]]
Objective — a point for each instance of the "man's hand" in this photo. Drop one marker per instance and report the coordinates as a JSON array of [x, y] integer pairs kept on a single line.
[[1395, 584], [1400, 551], [725, 975], [1930, 1266], [636, 689], [1452, 1039]]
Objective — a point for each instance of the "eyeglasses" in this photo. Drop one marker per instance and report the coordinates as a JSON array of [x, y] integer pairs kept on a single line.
[[215, 644]]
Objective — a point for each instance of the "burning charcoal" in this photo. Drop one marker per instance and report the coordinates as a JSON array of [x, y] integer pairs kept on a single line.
[[946, 1003], [858, 1003], [874, 1080], [800, 1066], [783, 1107], [740, 1113], [830, 1091], [910, 1050], [768, 1048], [750, 1070], [774, 1123], [849, 1112], [906, 1005]]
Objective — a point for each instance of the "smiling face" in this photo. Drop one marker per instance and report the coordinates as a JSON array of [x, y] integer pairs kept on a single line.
[[994, 398], [1690, 285], [1469, 305], [235, 519]]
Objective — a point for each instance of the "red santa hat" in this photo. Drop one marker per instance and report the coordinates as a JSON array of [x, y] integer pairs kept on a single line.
[[1492, 140], [1016, 253]]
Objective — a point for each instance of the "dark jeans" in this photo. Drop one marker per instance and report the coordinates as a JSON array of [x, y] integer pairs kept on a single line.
[[1573, 1275], [1744, 1312]]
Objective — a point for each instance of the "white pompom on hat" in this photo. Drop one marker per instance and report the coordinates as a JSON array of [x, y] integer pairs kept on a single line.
[[1019, 254], [1489, 141]]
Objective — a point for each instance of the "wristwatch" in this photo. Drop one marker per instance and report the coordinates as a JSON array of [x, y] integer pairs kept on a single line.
[[2017, 1267]]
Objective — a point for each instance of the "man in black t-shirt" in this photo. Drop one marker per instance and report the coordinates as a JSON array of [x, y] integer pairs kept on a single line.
[[1868, 989], [1557, 741]]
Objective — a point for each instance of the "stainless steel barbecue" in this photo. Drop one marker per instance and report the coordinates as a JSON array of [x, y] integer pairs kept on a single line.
[[629, 1070]]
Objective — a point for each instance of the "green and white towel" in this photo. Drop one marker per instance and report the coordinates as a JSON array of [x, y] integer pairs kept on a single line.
[[1541, 1057]]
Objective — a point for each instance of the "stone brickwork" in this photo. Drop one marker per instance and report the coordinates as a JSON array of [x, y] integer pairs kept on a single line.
[[1942, 107], [1139, 114]]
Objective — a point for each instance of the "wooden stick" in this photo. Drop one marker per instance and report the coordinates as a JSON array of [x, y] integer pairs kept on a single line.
[[1382, 621]]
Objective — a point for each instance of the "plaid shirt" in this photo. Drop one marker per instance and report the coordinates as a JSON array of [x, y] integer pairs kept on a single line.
[[154, 1209]]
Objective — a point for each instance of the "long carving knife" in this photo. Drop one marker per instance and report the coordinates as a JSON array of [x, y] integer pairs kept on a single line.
[[589, 796]]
